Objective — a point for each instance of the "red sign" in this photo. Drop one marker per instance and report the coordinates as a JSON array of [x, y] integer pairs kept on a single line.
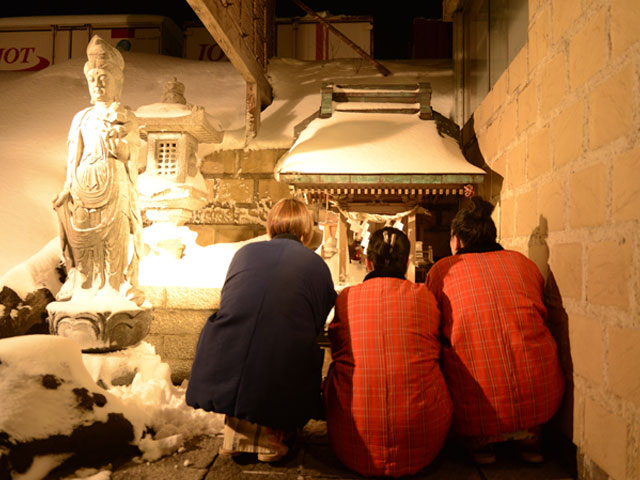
[[21, 59], [123, 33]]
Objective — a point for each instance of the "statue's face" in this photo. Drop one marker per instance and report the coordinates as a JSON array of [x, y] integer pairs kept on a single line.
[[102, 85]]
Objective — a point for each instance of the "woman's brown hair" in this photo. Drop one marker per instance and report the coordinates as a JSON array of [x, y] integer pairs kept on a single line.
[[291, 216], [473, 224]]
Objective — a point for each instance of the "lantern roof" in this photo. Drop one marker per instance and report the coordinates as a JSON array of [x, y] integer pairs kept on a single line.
[[175, 117]]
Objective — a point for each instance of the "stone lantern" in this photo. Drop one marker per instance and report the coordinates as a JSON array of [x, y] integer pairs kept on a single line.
[[172, 188]]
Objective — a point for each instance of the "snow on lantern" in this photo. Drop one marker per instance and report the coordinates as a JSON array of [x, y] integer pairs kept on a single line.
[[379, 155], [172, 187]]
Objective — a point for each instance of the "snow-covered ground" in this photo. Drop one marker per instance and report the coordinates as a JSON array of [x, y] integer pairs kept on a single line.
[[40, 376]]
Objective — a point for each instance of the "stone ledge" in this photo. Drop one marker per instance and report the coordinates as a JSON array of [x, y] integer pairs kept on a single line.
[[187, 298], [180, 370], [181, 347], [177, 322]]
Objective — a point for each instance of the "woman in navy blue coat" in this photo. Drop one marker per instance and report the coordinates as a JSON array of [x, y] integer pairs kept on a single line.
[[257, 359]]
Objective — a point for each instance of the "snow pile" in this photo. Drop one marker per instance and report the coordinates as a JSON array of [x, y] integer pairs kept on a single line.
[[51, 396], [159, 405], [200, 267]]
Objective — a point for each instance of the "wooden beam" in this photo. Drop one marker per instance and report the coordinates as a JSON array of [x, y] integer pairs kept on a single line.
[[381, 68], [227, 33]]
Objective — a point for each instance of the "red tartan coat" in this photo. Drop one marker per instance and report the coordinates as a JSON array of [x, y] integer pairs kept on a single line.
[[499, 358], [387, 405]]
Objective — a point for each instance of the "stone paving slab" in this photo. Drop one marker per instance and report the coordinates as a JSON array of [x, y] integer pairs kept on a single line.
[[311, 458], [507, 463], [245, 466], [191, 464]]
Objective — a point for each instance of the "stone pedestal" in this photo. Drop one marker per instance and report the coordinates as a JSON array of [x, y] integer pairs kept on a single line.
[[100, 328]]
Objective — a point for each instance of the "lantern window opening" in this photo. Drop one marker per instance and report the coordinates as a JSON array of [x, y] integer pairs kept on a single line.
[[167, 157]]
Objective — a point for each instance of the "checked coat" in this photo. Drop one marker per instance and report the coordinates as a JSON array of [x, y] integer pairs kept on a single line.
[[387, 406], [499, 358]]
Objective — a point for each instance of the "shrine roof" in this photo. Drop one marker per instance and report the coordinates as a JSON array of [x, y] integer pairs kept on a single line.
[[376, 148]]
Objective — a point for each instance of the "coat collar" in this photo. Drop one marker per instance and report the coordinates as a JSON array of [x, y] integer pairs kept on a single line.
[[482, 248], [288, 236], [385, 273]]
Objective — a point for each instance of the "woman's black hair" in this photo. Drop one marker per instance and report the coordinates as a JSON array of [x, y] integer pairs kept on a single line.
[[473, 224], [389, 248]]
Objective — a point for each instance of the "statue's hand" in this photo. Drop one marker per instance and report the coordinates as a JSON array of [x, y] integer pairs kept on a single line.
[[61, 197], [115, 140], [124, 129], [111, 141], [122, 151]]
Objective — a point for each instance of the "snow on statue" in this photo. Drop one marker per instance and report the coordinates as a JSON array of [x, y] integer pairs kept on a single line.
[[98, 206], [99, 304]]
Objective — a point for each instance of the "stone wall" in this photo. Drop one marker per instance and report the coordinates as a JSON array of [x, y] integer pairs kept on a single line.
[[241, 189], [179, 315], [560, 131]]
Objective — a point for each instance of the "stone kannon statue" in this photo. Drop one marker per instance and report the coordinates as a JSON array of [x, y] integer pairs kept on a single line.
[[99, 214]]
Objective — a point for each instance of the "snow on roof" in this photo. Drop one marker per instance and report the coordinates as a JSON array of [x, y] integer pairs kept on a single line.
[[180, 118], [374, 143]]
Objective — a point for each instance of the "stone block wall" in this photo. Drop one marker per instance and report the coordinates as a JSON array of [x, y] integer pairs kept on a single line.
[[241, 189], [560, 132], [179, 315]]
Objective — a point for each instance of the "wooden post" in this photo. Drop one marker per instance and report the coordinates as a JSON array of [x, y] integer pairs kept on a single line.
[[381, 68], [424, 97], [411, 233], [343, 249], [252, 112], [326, 100], [225, 30]]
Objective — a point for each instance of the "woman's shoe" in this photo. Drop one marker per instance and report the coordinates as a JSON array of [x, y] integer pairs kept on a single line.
[[529, 451], [483, 455], [274, 456], [228, 453], [277, 449]]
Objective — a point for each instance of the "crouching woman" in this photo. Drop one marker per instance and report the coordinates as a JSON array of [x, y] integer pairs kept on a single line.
[[257, 359], [498, 357], [387, 405]]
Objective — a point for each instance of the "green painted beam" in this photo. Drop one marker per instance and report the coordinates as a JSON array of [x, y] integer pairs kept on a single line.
[[348, 180]]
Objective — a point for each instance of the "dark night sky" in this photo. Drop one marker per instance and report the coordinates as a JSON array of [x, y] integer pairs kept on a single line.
[[392, 20]]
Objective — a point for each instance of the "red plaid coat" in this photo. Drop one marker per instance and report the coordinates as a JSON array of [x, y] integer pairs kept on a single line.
[[387, 405], [499, 358]]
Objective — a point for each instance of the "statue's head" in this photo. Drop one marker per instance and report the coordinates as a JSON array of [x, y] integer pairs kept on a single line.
[[104, 71]]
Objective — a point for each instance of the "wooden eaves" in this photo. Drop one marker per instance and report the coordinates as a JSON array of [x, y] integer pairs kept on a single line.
[[218, 19]]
